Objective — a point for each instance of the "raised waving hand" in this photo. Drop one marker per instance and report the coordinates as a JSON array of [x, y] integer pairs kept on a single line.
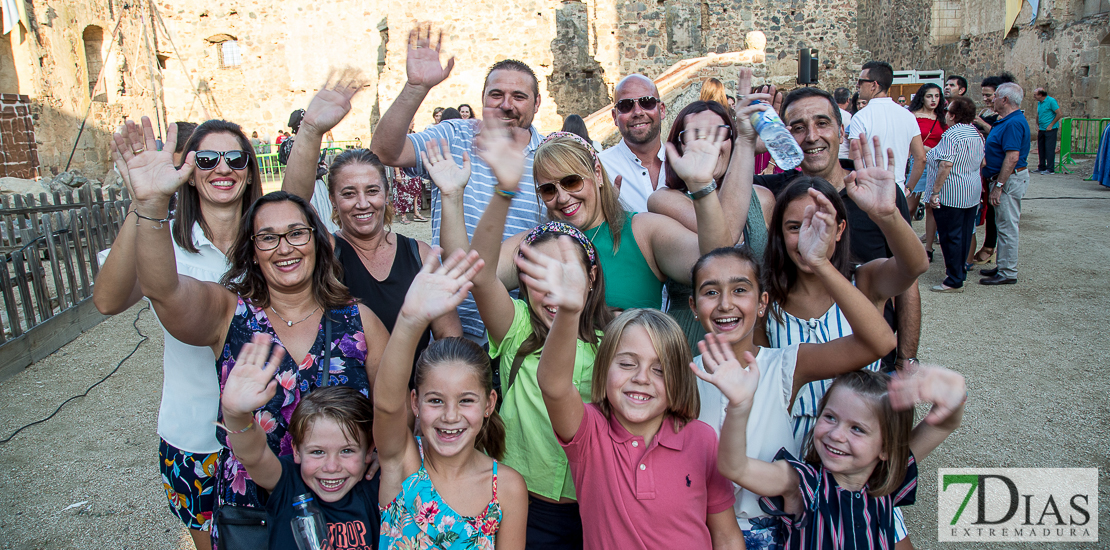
[[562, 280], [497, 148], [422, 64], [333, 101], [450, 178], [251, 384], [817, 235], [872, 185], [703, 144], [736, 381], [438, 289], [152, 173]]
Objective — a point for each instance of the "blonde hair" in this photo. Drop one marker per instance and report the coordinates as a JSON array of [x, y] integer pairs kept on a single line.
[[670, 345], [714, 90], [561, 156]]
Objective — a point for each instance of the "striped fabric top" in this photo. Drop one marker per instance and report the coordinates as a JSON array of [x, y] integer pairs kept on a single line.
[[963, 147], [836, 518], [525, 212], [830, 326]]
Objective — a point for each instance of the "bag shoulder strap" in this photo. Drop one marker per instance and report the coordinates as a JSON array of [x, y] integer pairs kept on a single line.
[[414, 249], [325, 367]]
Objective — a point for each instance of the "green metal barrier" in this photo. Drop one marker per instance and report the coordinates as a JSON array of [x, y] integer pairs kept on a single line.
[[1079, 136]]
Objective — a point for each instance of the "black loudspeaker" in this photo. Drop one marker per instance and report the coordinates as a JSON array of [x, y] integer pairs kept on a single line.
[[805, 65]]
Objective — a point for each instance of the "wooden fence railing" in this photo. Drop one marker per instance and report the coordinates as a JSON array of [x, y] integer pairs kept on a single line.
[[49, 245]]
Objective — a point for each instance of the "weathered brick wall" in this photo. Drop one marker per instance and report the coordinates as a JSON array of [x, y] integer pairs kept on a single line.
[[18, 154]]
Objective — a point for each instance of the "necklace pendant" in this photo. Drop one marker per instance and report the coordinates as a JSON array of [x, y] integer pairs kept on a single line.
[[289, 323]]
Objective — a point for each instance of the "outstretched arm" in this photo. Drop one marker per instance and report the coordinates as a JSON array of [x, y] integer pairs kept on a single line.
[[117, 283], [871, 337], [563, 282], [328, 108], [424, 72], [194, 312], [873, 189], [249, 387], [738, 383]]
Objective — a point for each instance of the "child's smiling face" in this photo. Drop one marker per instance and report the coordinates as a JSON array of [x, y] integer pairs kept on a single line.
[[848, 437], [331, 463], [634, 386], [451, 406], [727, 298]]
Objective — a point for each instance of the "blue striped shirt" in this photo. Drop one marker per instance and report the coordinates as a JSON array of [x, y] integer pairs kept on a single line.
[[963, 147], [792, 330], [525, 212]]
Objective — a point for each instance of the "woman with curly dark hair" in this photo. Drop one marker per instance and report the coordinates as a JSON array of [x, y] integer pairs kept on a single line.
[[283, 281]]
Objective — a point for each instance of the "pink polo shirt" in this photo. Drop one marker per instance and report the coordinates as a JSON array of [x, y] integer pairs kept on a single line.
[[630, 496]]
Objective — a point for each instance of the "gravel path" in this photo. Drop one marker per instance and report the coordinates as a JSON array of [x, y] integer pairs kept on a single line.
[[1033, 354]]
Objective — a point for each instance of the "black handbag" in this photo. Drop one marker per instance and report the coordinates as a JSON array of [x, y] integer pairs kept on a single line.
[[246, 527]]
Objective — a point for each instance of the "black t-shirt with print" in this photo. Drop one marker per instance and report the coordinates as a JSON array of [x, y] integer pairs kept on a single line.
[[353, 521]]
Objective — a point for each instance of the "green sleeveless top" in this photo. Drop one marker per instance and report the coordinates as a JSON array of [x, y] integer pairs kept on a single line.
[[629, 280]]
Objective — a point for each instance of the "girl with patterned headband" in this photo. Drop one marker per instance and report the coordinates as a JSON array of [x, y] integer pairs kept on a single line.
[[517, 330]]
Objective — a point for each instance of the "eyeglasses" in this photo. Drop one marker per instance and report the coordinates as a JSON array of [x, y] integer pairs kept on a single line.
[[570, 184], [728, 129], [236, 160], [862, 80], [647, 103], [296, 237]]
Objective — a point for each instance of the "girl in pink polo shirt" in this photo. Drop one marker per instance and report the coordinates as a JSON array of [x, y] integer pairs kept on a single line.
[[644, 467]]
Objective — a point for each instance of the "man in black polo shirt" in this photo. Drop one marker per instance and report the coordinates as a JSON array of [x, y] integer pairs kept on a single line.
[[814, 120]]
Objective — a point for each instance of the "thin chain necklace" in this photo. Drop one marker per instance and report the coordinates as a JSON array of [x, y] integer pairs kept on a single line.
[[291, 323]]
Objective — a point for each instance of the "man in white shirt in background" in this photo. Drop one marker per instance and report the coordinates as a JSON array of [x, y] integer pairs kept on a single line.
[[638, 159], [895, 126], [843, 97]]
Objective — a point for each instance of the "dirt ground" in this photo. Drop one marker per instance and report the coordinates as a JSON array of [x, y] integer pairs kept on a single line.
[[1033, 353]]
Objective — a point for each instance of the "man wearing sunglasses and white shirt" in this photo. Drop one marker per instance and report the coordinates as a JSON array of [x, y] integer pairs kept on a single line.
[[512, 90], [639, 157]]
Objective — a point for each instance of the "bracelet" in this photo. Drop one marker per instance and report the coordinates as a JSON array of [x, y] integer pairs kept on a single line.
[[161, 222], [504, 193], [703, 192], [230, 432]]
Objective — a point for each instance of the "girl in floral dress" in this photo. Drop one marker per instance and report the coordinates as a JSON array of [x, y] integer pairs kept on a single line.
[[445, 489]]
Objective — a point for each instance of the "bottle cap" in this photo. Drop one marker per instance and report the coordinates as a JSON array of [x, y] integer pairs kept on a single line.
[[302, 499]]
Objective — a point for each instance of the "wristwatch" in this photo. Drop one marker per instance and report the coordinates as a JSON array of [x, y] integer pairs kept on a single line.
[[1000, 184]]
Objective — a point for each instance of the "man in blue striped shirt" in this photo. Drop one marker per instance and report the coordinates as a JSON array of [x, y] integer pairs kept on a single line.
[[511, 93]]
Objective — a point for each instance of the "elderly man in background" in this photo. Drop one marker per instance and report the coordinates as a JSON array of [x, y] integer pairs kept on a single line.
[[638, 158], [1007, 150], [1049, 115]]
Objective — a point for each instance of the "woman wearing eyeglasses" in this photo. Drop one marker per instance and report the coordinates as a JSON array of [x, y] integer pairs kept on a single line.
[[224, 184], [673, 201], [283, 280]]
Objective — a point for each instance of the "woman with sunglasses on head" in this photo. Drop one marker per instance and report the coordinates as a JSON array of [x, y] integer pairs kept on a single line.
[[283, 281], [733, 169], [378, 264], [224, 184]]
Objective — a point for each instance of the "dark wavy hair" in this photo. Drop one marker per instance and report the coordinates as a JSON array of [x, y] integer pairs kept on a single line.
[[962, 110], [456, 350], [188, 200], [742, 253], [918, 102], [469, 108], [245, 276], [673, 181], [780, 271], [894, 426], [595, 314]]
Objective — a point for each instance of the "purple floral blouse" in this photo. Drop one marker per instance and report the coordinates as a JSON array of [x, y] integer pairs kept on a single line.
[[348, 358]]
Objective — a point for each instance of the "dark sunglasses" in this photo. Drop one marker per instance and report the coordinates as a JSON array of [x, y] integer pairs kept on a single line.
[[862, 80], [647, 103], [570, 184], [236, 160]]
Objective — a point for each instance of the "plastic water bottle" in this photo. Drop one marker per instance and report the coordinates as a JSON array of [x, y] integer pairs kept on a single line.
[[309, 528], [782, 146]]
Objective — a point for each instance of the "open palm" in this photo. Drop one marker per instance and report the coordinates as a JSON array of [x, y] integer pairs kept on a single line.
[[562, 280], [422, 64], [333, 101], [151, 171], [818, 232], [722, 369], [872, 186], [698, 159], [251, 384], [500, 152], [438, 289], [450, 178]]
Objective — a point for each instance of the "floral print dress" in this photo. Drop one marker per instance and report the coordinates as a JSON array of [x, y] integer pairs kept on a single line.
[[419, 519], [348, 358]]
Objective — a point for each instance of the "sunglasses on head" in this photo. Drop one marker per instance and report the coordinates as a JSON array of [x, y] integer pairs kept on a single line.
[[647, 103], [236, 160], [570, 184]]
